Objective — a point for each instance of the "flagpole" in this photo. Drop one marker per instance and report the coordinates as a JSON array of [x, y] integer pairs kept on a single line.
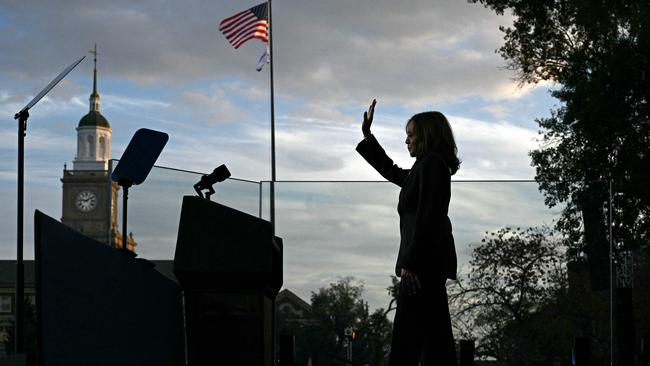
[[272, 190]]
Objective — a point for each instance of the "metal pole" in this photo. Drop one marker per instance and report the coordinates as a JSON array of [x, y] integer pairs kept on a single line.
[[260, 202], [611, 281], [350, 352], [109, 208], [20, 285], [125, 198], [272, 191]]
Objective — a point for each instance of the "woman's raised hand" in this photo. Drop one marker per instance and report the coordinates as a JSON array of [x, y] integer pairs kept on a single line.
[[367, 119]]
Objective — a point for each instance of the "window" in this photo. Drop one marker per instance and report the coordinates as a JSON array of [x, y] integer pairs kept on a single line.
[[102, 148], [80, 148], [91, 146], [5, 303]]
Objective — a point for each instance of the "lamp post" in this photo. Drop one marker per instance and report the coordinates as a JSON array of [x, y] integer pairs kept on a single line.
[[22, 117], [349, 337]]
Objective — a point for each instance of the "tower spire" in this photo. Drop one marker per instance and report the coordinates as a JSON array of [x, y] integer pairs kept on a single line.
[[94, 97]]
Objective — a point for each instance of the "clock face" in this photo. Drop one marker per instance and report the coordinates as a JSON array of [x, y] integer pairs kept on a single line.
[[86, 201]]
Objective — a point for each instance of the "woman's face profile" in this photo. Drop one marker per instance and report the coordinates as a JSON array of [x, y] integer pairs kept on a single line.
[[411, 138]]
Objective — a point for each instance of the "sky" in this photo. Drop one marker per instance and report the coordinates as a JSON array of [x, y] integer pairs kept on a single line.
[[164, 65]]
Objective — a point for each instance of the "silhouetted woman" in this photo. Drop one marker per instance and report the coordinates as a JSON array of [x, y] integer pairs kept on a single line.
[[427, 256]]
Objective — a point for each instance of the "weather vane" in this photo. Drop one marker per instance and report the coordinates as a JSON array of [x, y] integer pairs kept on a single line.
[[94, 52]]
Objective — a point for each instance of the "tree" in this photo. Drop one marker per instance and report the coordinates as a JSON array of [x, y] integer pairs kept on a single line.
[[393, 291], [514, 273], [373, 338], [29, 335], [336, 308], [599, 54]]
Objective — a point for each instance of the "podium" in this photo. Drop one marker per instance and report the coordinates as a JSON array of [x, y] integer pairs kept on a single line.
[[229, 267], [97, 306]]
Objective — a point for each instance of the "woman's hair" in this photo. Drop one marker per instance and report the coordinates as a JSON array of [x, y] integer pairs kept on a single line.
[[433, 134]]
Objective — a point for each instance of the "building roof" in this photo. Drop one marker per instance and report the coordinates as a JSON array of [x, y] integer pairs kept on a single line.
[[8, 273], [94, 119], [286, 295]]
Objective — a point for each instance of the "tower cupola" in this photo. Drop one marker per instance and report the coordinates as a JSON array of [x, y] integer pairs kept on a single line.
[[93, 133]]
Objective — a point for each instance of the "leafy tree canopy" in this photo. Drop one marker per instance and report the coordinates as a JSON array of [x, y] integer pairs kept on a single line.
[[514, 272], [598, 52], [336, 308]]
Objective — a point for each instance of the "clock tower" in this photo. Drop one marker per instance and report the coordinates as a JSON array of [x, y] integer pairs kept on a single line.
[[89, 195]]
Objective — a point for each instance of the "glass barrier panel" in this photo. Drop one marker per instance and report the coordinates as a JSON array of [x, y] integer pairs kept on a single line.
[[339, 229], [154, 207], [334, 230]]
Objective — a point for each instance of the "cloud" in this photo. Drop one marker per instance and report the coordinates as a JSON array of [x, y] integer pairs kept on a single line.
[[497, 110], [59, 101], [121, 102], [493, 150], [219, 105], [326, 152], [40, 139], [421, 54], [416, 55], [165, 66], [488, 150]]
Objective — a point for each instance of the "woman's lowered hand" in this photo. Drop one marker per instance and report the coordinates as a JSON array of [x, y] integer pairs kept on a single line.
[[410, 282]]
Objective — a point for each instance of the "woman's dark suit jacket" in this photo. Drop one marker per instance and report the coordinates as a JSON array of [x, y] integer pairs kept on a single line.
[[426, 243]]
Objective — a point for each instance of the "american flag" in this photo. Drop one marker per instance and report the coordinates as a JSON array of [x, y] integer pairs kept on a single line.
[[246, 25]]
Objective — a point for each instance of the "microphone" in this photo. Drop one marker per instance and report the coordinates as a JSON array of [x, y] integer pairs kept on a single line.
[[219, 174]]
